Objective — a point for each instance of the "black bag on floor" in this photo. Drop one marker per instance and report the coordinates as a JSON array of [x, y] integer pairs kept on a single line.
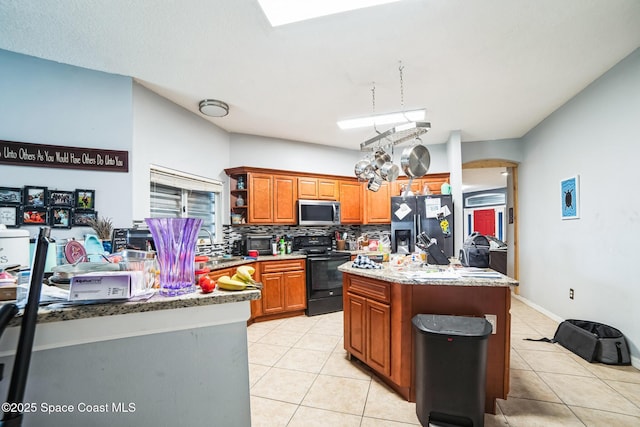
[[592, 341]]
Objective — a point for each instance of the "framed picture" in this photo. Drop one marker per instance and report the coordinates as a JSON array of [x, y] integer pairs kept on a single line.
[[85, 199], [570, 195], [60, 217], [60, 198], [35, 216], [10, 216], [10, 196], [81, 218], [35, 196]]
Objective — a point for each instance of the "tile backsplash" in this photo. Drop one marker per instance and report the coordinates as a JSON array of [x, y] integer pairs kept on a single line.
[[232, 233]]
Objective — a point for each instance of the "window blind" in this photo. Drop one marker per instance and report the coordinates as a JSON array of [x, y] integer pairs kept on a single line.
[[175, 195]]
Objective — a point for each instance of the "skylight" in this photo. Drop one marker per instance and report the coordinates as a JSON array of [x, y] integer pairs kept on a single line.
[[281, 12]]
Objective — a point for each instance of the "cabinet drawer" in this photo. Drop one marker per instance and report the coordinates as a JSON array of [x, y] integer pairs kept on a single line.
[[374, 289], [280, 266]]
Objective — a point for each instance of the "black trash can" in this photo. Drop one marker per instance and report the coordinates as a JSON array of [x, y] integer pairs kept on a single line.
[[450, 367]]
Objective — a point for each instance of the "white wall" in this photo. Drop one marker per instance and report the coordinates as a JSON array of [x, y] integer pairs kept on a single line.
[[45, 102], [503, 149], [258, 151], [594, 135], [166, 134]]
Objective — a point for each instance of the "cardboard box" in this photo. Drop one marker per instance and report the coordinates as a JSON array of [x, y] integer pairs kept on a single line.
[[104, 285], [8, 292]]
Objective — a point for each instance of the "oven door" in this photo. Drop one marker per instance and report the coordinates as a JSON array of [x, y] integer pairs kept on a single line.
[[323, 278]]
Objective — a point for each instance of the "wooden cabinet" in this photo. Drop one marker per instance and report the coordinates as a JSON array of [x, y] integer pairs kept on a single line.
[[270, 195], [327, 189], [260, 190], [284, 288], [351, 194], [432, 181], [238, 195], [317, 188], [284, 200], [266, 198], [377, 205], [378, 327], [307, 188], [367, 329]]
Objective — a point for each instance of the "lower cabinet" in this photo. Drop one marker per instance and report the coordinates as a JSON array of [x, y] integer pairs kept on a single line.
[[284, 289], [368, 331]]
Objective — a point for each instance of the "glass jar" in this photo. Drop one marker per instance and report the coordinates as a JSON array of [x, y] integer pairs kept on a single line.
[[240, 183], [240, 201]]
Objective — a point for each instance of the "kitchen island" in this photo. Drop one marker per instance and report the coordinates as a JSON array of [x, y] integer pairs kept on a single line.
[[380, 303], [165, 361]]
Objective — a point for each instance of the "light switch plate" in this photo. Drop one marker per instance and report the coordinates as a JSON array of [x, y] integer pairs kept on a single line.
[[493, 319]]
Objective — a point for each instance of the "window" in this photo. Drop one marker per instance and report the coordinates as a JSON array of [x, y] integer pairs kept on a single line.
[[175, 194], [485, 199]]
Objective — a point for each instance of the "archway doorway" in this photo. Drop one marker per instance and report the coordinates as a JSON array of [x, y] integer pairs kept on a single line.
[[512, 204]]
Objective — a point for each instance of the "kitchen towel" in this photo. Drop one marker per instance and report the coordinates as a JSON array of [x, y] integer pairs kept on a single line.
[[363, 261]]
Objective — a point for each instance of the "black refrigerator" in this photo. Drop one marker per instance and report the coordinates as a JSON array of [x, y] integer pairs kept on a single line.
[[412, 215]]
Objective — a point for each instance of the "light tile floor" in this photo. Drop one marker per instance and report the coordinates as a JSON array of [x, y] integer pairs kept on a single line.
[[299, 376]]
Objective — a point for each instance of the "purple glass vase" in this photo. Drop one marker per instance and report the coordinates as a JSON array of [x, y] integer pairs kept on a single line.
[[175, 241]]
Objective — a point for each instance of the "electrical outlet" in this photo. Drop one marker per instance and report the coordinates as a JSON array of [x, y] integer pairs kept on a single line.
[[493, 319], [570, 293]]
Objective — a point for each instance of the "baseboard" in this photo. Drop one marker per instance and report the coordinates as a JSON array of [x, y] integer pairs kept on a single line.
[[635, 361]]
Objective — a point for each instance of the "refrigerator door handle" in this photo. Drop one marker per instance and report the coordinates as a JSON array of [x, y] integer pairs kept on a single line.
[[418, 224]]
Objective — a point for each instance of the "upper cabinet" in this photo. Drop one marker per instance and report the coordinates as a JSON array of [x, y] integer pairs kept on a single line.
[[284, 199], [377, 205], [317, 188], [432, 182], [265, 199], [260, 198], [269, 196], [351, 194]]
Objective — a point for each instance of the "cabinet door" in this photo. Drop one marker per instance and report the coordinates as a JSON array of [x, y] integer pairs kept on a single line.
[[284, 209], [354, 327], [378, 205], [295, 292], [307, 188], [351, 202], [272, 293], [216, 274], [260, 198], [327, 189], [378, 336]]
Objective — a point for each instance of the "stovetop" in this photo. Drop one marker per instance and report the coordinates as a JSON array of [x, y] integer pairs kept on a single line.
[[315, 245]]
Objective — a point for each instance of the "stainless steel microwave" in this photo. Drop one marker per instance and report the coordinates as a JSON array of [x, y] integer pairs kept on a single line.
[[318, 212]]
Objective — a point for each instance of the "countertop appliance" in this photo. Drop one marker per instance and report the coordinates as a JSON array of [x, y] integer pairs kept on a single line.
[[475, 251], [258, 242], [318, 212], [324, 281], [412, 215]]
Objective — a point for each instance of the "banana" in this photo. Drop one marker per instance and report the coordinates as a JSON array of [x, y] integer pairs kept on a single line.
[[245, 272], [229, 284], [234, 284]]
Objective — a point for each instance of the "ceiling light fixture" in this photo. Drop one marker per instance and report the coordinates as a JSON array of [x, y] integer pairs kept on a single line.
[[214, 108], [281, 12], [382, 119]]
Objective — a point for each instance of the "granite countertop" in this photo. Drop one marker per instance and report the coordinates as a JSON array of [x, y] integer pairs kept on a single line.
[[67, 311], [432, 275]]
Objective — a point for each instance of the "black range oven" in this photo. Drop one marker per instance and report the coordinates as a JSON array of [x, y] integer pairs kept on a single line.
[[324, 281]]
